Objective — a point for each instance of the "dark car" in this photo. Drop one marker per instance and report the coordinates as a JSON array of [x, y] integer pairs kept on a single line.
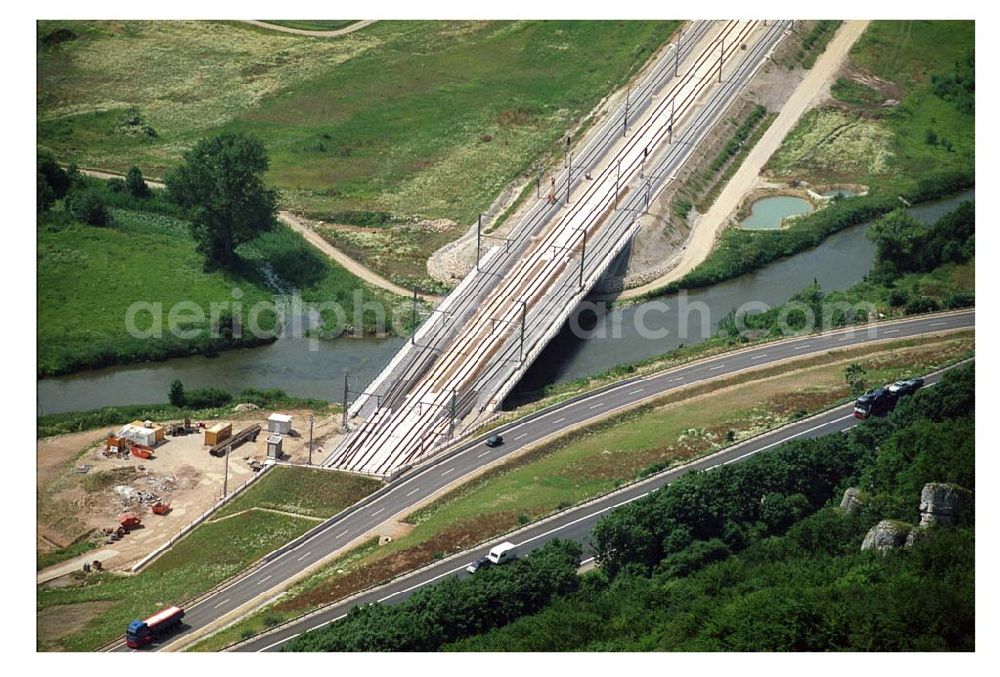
[[906, 387], [878, 402], [494, 440], [481, 563]]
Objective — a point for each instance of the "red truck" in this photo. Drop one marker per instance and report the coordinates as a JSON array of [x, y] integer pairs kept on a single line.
[[140, 633]]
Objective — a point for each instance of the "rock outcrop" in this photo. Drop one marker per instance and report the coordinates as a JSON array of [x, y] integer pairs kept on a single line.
[[942, 503], [852, 501], [886, 535]]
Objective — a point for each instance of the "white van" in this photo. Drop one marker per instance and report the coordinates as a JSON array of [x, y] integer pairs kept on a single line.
[[504, 552]]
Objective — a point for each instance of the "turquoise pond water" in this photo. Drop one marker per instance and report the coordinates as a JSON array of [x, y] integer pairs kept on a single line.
[[767, 213]]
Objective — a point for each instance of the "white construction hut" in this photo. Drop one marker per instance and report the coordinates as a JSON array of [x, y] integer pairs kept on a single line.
[[279, 423]]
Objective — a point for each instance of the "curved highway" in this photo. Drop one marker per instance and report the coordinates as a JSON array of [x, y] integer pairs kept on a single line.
[[399, 497], [573, 524]]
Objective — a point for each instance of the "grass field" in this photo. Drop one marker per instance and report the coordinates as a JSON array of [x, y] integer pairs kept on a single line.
[[88, 277], [310, 492], [887, 147], [212, 553], [409, 119], [599, 458]]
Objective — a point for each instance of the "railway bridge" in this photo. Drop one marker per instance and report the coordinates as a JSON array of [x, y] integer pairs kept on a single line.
[[464, 359]]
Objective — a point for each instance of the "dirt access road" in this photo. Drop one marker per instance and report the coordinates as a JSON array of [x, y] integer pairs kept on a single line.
[[313, 34], [813, 89], [312, 237], [353, 266]]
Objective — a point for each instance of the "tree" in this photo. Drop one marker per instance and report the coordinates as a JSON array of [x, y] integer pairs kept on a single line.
[[136, 184], [856, 378], [88, 206], [176, 394], [45, 196], [220, 186], [54, 175]]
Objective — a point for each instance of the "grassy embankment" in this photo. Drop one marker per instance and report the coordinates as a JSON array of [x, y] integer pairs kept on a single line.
[[887, 148], [89, 276], [595, 459], [430, 120], [216, 550]]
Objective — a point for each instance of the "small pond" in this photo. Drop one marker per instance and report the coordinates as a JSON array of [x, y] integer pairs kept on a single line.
[[767, 213]]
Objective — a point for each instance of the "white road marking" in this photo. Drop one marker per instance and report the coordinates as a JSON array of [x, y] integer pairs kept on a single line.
[[304, 556], [679, 378], [891, 331], [414, 491], [637, 390], [380, 510], [447, 471], [719, 366], [758, 357], [525, 434], [560, 420], [263, 579], [479, 456], [935, 324], [804, 345], [595, 406], [221, 603], [844, 338], [341, 534]]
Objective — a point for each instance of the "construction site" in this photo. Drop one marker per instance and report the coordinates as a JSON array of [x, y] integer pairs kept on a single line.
[[130, 490]]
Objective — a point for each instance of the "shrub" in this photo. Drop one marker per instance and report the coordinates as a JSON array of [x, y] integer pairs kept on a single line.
[[204, 398], [88, 206], [176, 394], [136, 184]]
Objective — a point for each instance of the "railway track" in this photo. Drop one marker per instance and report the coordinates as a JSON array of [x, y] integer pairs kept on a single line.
[[528, 302]]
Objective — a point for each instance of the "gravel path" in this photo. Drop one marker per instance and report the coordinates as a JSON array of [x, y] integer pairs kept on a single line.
[[810, 92], [313, 34], [356, 268]]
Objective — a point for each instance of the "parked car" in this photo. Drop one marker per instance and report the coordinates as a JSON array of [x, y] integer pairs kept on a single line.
[[494, 440], [906, 387], [481, 563]]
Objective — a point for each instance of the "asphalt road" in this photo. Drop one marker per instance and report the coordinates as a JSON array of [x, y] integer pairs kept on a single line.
[[574, 524], [418, 484]]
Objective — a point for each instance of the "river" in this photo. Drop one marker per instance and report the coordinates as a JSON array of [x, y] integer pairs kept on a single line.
[[316, 368]]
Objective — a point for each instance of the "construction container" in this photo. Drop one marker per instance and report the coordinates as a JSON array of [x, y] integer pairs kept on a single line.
[[279, 423], [274, 446], [218, 433]]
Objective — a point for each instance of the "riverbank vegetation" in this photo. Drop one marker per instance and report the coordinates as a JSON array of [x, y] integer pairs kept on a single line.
[[223, 546], [209, 403], [90, 274], [902, 122], [420, 108], [795, 577], [597, 458]]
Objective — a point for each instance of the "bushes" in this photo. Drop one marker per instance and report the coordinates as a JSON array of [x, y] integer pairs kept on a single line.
[[906, 245], [811, 589], [88, 206], [741, 134], [205, 398], [135, 184], [454, 609], [176, 394]]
